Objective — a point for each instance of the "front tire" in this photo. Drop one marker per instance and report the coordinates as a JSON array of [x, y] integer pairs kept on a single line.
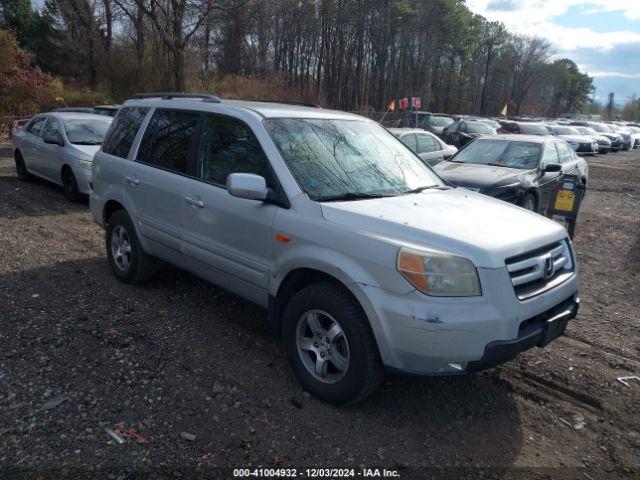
[[70, 186], [330, 345], [529, 202], [21, 168], [128, 261]]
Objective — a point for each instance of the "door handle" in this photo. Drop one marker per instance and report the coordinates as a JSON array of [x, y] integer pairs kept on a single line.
[[194, 201], [132, 180]]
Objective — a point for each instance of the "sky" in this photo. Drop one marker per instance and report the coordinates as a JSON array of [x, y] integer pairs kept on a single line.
[[601, 36]]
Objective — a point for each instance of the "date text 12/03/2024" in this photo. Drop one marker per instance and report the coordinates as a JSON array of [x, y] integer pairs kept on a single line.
[[316, 472]]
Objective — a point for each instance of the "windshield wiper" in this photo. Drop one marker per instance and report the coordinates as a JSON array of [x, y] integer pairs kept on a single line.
[[428, 187], [353, 196]]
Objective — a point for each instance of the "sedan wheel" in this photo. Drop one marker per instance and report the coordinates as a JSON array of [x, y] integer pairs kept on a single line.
[[322, 346], [529, 203]]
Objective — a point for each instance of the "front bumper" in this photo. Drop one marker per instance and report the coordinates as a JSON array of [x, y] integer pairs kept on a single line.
[[83, 178], [536, 332], [423, 335]]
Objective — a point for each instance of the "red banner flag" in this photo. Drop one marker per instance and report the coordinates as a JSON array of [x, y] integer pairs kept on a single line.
[[415, 102], [403, 103], [392, 106]]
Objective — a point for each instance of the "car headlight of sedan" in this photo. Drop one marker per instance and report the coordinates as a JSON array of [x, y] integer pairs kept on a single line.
[[439, 274], [84, 164]]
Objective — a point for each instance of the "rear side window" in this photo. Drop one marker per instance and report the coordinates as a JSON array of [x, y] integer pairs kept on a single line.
[[123, 131], [168, 140], [227, 147], [36, 126], [427, 144], [409, 141]]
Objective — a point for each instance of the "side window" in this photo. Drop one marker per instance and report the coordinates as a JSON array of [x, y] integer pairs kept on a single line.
[[53, 130], [229, 146], [123, 131], [36, 126], [564, 152], [410, 141], [168, 140], [550, 155], [427, 144], [462, 127]]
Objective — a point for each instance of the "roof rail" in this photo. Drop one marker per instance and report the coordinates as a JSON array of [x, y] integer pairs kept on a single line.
[[171, 95], [291, 102]]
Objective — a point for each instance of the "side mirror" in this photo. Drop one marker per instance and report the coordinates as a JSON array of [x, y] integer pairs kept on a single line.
[[54, 140], [552, 167], [247, 185]]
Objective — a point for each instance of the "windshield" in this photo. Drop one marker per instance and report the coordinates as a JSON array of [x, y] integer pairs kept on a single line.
[[441, 121], [598, 127], [533, 129], [501, 153], [340, 158], [586, 130], [86, 132], [478, 127], [565, 131]]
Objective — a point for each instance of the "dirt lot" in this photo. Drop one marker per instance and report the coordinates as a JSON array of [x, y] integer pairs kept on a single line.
[[80, 352]]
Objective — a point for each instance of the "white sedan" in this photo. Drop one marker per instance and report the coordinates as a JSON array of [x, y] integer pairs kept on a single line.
[[59, 147], [431, 149]]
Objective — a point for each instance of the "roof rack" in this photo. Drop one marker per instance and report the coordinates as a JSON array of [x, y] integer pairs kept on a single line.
[[171, 95], [291, 102]]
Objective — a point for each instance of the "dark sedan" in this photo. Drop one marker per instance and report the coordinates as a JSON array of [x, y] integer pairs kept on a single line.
[[525, 170], [463, 131]]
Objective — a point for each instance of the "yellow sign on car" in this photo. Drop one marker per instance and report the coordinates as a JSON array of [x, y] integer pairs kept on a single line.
[[565, 200]]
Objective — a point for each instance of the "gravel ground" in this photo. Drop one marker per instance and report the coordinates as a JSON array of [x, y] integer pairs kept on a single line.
[[192, 369]]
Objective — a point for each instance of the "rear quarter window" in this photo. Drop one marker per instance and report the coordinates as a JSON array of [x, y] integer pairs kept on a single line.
[[123, 131]]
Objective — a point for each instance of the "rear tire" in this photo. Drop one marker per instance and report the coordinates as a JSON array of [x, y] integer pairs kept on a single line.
[[128, 261], [70, 186], [350, 369], [21, 168]]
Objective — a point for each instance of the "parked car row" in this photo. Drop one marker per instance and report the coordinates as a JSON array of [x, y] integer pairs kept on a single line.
[[365, 258]]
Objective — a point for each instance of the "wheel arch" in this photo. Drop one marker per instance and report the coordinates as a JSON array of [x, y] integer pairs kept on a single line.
[[110, 208], [293, 282]]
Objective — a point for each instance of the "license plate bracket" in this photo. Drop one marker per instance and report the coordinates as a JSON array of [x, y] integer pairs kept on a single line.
[[554, 329]]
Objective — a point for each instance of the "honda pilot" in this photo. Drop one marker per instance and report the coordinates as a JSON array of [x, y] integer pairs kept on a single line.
[[364, 258]]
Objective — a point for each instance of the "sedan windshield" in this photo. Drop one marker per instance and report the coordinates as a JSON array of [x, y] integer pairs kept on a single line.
[[599, 127], [86, 132], [533, 129], [586, 130], [501, 153], [478, 127], [565, 131], [348, 159], [441, 121]]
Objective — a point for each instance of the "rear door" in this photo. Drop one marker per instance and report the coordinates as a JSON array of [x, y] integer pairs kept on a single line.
[[228, 239], [31, 143], [154, 184]]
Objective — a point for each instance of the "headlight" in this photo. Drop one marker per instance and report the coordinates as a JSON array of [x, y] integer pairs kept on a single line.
[[84, 164], [439, 274]]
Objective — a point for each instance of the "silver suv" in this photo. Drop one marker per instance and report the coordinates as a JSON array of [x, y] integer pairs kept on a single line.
[[365, 259]]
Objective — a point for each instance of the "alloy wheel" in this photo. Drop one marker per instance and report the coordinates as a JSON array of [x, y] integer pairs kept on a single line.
[[121, 247], [322, 346]]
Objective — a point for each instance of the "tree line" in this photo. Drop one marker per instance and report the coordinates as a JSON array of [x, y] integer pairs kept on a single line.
[[347, 54]]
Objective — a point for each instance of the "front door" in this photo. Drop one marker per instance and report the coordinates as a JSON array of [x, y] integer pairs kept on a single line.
[[51, 153], [155, 183], [228, 239], [548, 181]]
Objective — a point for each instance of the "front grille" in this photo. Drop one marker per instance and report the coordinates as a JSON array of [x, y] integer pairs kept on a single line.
[[539, 270]]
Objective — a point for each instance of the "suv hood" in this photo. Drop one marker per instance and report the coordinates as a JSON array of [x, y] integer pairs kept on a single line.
[[481, 228], [476, 175]]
